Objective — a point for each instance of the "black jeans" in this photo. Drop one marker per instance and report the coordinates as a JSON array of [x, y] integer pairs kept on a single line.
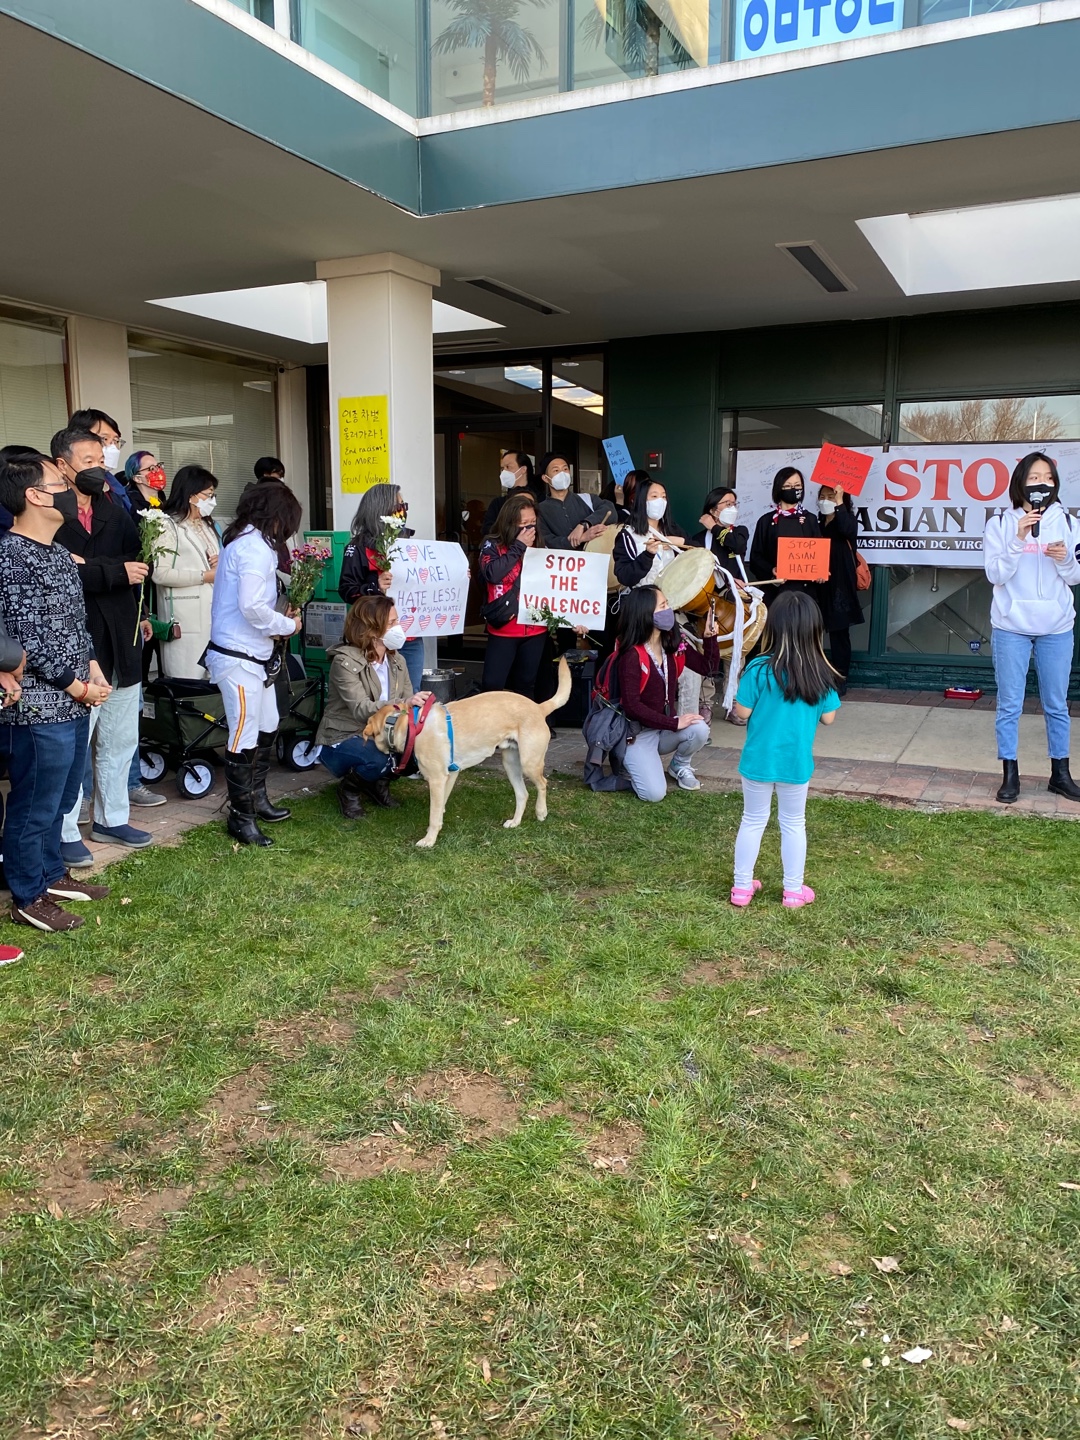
[[512, 662], [840, 650]]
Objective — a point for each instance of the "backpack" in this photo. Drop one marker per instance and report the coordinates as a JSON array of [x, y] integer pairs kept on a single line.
[[607, 730]]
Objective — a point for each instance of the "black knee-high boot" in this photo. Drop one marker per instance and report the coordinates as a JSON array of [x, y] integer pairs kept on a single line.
[[240, 782], [265, 809]]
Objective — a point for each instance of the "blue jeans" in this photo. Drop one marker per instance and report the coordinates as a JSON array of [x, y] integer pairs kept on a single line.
[[1053, 662], [413, 655], [46, 764], [363, 756]]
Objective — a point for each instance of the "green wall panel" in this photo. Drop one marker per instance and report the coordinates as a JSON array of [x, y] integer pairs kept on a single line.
[[803, 364], [1033, 350]]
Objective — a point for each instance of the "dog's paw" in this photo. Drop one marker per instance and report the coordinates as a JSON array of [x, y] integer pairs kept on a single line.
[[427, 843], [511, 824]]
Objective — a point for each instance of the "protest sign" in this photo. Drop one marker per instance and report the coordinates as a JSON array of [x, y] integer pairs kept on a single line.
[[846, 468], [364, 442], [570, 583], [429, 584], [799, 559], [618, 458]]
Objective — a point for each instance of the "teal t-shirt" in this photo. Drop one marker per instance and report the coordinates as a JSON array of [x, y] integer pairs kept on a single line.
[[779, 744]]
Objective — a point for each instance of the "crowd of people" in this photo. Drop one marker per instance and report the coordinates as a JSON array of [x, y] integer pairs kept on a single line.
[[90, 590]]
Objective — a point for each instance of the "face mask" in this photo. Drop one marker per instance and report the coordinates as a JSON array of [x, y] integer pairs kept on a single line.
[[153, 479], [507, 479], [655, 508], [112, 457], [206, 507], [1039, 496], [66, 502], [790, 497], [728, 515], [561, 481], [827, 507], [92, 481], [394, 638], [664, 619]]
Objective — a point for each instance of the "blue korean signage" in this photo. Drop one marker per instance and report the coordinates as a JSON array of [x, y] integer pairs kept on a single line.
[[770, 27]]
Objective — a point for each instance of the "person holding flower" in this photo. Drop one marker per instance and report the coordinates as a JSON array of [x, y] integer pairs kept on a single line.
[[186, 550], [379, 522]]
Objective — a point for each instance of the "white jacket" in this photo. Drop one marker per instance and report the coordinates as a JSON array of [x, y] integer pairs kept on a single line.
[[181, 558], [243, 616], [1031, 591]]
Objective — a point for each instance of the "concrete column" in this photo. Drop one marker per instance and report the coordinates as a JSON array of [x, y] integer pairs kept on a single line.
[[98, 370], [293, 435], [378, 311]]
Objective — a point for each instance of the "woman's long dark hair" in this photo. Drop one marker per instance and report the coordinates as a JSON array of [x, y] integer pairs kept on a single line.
[[793, 647], [269, 507], [639, 519], [508, 520], [189, 480], [636, 610], [782, 475], [1021, 473]]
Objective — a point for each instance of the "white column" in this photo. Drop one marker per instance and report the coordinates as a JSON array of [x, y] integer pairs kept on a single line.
[[380, 342], [98, 370], [292, 431]]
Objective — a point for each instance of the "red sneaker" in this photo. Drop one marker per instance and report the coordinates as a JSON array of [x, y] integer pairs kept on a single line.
[[9, 954]]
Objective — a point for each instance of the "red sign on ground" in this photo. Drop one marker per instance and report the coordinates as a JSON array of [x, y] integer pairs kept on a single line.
[[802, 559], [846, 468]]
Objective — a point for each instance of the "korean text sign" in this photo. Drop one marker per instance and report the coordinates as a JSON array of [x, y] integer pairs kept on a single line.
[[364, 442], [571, 583], [429, 584], [770, 27]]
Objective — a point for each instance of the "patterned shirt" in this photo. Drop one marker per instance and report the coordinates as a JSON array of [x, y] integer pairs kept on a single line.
[[42, 607]]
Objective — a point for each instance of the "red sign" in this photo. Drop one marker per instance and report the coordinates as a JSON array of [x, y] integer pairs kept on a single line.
[[798, 559], [846, 468]]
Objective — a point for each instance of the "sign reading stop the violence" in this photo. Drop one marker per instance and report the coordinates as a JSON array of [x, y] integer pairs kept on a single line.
[[571, 583], [798, 559]]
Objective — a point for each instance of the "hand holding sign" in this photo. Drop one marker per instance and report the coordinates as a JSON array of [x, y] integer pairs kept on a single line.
[[798, 559], [847, 469]]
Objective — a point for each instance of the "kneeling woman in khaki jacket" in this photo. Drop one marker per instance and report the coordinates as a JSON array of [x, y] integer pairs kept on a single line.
[[367, 671]]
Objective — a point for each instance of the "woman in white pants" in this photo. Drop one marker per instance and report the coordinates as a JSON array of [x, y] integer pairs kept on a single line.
[[243, 656]]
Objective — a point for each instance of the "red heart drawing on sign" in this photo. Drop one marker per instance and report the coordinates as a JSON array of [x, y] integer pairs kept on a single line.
[[454, 619], [425, 621], [423, 576], [412, 552], [440, 619]]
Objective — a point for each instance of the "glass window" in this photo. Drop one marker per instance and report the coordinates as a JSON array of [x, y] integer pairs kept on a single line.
[[371, 41], [484, 52], [931, 11], [262, 9], [485, 387], [1027, 418], [938, 612], [189, 410], [33, 384], [627, 39], [785, 429]]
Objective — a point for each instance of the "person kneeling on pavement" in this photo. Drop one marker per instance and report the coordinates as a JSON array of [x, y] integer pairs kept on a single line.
[[367, 671]]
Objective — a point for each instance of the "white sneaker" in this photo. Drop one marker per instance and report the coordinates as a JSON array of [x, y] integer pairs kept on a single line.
[[685, 778]]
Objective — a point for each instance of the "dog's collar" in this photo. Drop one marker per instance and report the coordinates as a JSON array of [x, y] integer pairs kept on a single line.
[[417, 719]]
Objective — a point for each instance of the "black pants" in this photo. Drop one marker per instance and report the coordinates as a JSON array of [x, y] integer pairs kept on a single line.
[[512, 663], [840, 650]]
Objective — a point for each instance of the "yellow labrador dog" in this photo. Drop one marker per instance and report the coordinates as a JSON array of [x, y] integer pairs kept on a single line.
[[499, 720]]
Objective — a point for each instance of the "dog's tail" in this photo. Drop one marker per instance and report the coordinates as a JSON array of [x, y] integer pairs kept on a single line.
[[562, 694]]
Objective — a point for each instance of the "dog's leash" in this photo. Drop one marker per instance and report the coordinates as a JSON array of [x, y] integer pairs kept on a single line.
[[417, 720]]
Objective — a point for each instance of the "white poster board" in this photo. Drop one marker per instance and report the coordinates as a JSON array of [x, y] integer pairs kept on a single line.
[[570, 583], [430, 585]]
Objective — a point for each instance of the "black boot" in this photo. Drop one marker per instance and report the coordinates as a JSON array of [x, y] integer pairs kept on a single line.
[[240, 782], [1061, 782], [1010, 782], [378, 792], [349, 790], [265, 809]]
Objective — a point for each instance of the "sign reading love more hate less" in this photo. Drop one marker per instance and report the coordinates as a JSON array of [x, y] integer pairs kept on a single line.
[[429, 584], [364, 442], [798, 559], [837, 466], [570, 583]]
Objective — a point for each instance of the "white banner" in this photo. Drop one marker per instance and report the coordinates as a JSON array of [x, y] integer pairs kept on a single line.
[[921, 504], [429, 586], [571, 583]]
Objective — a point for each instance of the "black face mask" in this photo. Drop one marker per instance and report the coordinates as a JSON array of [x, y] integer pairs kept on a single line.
[[1038, 496], [92, 481], [67, 503], [790, 497]]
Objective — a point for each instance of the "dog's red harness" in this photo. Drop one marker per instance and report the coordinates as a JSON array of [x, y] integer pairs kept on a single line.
[[418, 715]]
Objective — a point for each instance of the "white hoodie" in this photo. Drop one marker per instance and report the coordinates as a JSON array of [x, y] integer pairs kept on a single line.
[[1031, 590]]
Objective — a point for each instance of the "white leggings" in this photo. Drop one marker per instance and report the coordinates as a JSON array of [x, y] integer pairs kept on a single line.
[[791, 810]]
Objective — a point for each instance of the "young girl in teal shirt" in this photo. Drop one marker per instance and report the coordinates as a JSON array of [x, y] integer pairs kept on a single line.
[[782, 696]]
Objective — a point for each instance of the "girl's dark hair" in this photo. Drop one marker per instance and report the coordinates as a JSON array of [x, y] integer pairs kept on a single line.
[[189, 480], [366, 622], [271, 508], [636, 610], [508, 520], [639, 520], [1021, 473], [785, 473], [713, 498], [794, 650]]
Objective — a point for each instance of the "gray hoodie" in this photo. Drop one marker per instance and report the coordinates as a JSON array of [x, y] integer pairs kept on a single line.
[[1031, 590]]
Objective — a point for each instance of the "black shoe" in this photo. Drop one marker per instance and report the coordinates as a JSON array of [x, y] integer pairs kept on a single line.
[[239, 780], [265, 809], [378, 792], [349, 790], [1010, 782], [1061, 782]]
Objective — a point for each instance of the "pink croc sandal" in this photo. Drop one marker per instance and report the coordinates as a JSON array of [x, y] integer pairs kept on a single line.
[[741, 898], [795, 899]]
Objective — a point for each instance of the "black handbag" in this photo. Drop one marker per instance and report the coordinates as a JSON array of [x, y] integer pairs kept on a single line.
[[500, 611]]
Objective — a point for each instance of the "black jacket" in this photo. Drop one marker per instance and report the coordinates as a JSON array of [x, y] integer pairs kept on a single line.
[[764, 547], [726, 543], [630, 567], [112, 602], [839, 595], [359, 577]]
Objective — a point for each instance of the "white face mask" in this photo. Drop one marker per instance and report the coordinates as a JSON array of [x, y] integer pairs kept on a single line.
[[561, 481], [655, 509], [394, 638], [206, 507], [728, 515], [827, 507], [112, 457], [507, 479]]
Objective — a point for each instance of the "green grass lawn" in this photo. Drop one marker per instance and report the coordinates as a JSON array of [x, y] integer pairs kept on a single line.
[[534, 1136]]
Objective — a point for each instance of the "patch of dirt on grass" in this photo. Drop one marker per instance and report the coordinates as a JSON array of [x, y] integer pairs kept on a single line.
[[80, 1410], [988, 953], [715, 972], [372, 1155], [480, 1100], [351, 1418], [152, 1206], [68, 1183], [749, 1247], [290, 1038], [1042, 1088], [466, 1276], [392, 988], [782, 1055], [615, 1147], [102, 985], [236, 1295]]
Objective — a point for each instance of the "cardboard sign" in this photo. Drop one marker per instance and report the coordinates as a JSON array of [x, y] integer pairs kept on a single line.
[[618, 458], [363, 442], [429, 584], [846, 468], [798, 559], [572, 583]]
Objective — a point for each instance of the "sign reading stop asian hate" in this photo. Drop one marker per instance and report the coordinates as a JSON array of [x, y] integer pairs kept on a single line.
[[799, 559], [836, 466], [429, 584], [571, 583], [364, 442], [770, 27]]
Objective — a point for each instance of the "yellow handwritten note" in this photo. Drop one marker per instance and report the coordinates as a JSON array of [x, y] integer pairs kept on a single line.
[[364, 433]]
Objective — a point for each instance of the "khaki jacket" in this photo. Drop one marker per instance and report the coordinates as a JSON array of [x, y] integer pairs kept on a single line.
[[353, 694]]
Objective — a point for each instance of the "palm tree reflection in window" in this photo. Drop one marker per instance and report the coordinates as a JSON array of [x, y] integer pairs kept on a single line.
[[492, 26], [632, 33]]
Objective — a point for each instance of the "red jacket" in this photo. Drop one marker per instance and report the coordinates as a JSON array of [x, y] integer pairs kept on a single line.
[[641, 685]]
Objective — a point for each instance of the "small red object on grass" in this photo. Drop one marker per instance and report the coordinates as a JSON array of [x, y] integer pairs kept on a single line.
[[962, 692]]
